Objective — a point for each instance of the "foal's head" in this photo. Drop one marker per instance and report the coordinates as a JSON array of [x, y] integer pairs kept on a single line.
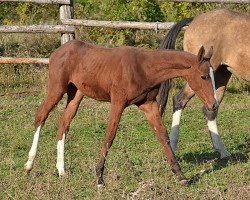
[[200, 80]]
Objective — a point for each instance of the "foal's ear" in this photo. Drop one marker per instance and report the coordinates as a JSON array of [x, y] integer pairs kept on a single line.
[[210, 52], [201, 54]]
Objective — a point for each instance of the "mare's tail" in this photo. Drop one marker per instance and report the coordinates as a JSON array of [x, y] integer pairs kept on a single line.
[[169, 43]]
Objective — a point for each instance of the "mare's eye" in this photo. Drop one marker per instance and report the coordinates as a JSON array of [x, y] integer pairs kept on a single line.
[[205, 77]]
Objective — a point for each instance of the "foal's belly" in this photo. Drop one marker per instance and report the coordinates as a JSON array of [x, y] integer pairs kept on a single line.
[[93, 91]]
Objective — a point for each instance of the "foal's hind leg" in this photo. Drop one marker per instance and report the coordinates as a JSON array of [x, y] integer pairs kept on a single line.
[[116, 110], [52, 99], [179, 102], [74, 98], [153, 116], [222, 76]]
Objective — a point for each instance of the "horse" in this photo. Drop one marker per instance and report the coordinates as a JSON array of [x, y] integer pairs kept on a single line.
[[228, 32], [123, 76]]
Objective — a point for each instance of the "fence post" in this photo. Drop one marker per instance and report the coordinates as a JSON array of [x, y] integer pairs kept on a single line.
[[67, 12]]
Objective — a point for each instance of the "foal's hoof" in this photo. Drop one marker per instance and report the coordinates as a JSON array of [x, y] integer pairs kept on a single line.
[[61, 170], [100, 183], [62, 174], [184, 182], [27, 171]]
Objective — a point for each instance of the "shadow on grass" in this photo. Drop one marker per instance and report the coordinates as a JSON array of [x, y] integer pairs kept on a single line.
[[213, 162], [234, 90]]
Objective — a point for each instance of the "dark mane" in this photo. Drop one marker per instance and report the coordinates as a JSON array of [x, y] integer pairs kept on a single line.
[[169, 43]]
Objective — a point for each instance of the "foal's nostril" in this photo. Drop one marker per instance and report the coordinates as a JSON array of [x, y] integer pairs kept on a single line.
[[215, 106]]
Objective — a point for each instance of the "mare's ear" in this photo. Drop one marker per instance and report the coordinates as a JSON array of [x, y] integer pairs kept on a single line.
[[201, 54], [210, 53]]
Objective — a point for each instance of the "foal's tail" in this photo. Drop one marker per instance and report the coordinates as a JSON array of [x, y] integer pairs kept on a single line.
[[169, 43]]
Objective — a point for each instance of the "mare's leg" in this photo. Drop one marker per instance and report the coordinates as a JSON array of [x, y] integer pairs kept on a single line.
[[52, 99], [179, 102], [116, 110], [222, 76], [74, 98], [151, 111]]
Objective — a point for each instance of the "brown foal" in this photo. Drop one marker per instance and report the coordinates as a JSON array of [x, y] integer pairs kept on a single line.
[[122, 76]]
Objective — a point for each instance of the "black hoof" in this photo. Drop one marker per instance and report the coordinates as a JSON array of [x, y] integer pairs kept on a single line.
[[100, 182]]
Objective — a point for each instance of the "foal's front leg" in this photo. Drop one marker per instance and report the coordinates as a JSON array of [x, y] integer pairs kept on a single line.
[[114, 119], [153, 116], [52, 99]]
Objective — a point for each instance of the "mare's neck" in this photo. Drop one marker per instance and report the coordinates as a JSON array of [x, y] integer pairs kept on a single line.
[[166, 64]]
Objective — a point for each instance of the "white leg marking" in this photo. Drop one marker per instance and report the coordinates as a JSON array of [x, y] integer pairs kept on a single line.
[[217, 142], [33, 150], [174, 136], [60, 156], [211, 72]]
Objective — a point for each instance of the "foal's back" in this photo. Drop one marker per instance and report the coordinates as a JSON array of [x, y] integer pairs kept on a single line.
[[96, 70], [228, 32], [92, 69]]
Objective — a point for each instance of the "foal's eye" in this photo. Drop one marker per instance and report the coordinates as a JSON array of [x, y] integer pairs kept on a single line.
[[205, 77]]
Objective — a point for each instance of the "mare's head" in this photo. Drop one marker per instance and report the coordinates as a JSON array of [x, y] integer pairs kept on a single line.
[[200, 80]]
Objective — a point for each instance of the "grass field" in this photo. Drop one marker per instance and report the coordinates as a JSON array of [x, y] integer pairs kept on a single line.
[[136, 166]]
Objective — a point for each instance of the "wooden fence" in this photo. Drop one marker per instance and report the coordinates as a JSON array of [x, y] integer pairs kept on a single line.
[[67, 29]]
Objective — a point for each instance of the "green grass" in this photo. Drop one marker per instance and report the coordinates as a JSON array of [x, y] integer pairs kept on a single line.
[[136, 166]]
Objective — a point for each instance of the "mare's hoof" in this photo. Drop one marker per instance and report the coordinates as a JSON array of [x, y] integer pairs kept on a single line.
[[225, 154], [27, 168]]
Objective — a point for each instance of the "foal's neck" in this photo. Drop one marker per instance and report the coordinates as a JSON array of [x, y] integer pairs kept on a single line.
[[166, 64]]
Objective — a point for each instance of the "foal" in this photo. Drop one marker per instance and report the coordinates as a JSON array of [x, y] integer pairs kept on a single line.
[[122, 76]]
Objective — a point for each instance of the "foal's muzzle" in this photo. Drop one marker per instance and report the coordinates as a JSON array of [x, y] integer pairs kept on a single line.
[[214, 107]]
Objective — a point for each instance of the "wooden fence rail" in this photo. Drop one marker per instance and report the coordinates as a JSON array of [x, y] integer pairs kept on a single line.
[[38, 29], [8, 60], [119, 24], [64, 2], [67, 30]]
